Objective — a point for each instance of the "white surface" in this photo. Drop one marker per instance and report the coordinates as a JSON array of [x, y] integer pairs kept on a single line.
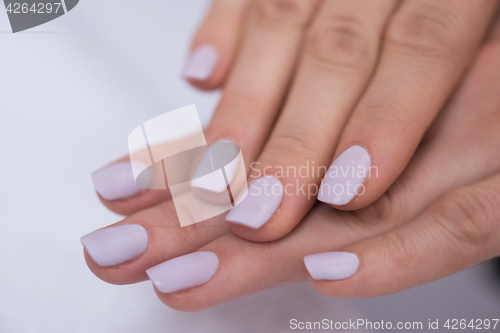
[[69, 97]]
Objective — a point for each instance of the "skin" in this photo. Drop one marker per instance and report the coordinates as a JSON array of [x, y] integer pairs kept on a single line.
[[305, 80], [442, 215]]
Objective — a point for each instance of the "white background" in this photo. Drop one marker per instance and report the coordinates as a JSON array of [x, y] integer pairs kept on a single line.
[[70, 92]]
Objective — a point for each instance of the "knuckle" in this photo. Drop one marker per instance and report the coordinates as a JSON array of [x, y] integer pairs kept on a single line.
[[342, 41], [387, 113], [386, 214], [164, 216], [190, 233], [402, 254], [240, 98], [296, 12], [294, 143], [469, 217], [429, 31], [167, 217], [199, 233], [268, 252]]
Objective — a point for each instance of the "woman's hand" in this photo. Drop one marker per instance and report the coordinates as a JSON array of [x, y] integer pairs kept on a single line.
[[308, 82], [442, 215], [350, 81]]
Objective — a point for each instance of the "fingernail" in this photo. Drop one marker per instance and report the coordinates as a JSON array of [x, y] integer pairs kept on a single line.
[[345, 177], [115, 181], [115, 245], [263, 199], [184, 272], [331, 265], [201, 62], [210, 162]]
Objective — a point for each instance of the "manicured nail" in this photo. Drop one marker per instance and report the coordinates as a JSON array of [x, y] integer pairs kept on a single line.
[[115, 245], [345, 177], [263, 199], [184, 272], [204, 177], [201, 62], [331, 265], [115, 181]]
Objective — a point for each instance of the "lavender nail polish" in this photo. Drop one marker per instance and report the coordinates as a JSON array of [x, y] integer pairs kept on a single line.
[[345, 177], [201, 62], [331, 265], [117, 244], [187, 271], [115, 181], [223, 150], [263, 199]]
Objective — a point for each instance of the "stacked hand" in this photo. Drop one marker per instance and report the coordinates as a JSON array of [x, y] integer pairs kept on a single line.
[[355, 82]]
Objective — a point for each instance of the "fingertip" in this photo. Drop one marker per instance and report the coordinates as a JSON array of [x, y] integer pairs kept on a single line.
[[214, 46], [255, 218], [115, 181], [140, 201], [334, 274], [202, 65], [116, 275], [179, 301]]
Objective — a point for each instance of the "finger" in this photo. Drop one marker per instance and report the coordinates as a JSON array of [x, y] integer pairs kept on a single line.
[[455, 213], [466, 131], [116, 188], [244, 268], [231, 267], [427, 48], [440, 165], [259, 79], [457, 232], [121, 253], [257, 84], [450, 160], [449, 128], [340, 55], [214, 46]]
